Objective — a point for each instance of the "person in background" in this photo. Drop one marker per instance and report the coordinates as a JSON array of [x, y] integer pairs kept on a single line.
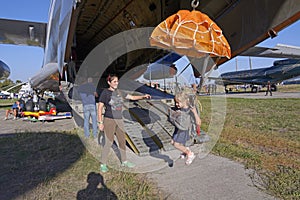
[[87, 92], [16, 110], [112, 100], [268, 89]]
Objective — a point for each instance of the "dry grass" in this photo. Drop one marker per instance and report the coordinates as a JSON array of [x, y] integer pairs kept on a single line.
[[57, 166], [264, 134], [289, 88]]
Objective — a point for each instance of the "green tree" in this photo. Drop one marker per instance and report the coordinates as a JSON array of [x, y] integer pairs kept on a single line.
[[6, 83]]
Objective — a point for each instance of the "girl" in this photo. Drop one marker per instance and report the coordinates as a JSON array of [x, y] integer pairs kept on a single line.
[[182, 120]]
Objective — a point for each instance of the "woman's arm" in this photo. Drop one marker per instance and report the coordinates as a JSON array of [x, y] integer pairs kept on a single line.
[[100, 116], [135, 97]]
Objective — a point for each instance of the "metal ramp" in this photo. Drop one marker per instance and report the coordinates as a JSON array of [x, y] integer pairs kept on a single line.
[[147, 127]]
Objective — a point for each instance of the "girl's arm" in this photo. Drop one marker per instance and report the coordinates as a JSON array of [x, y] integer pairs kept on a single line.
[[196, 116]]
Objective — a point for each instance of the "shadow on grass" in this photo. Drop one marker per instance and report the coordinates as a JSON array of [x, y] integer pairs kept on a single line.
[[29, 159], [93, 192]]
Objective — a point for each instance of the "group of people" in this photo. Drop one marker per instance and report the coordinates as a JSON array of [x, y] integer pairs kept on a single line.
[[16, 109], [110, 120]]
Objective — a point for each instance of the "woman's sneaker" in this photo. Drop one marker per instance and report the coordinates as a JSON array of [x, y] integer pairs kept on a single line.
[[190, 158], [128, 164], [103, 168]]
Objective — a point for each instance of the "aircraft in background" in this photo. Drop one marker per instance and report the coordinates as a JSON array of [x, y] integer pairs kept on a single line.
[[4, 70], [291, 81], [280, 71], [162, 68]]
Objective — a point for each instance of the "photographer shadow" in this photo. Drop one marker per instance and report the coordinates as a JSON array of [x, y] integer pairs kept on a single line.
[[92, 191]]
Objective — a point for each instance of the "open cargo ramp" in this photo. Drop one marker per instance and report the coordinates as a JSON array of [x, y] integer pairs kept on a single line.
[[147, 127]]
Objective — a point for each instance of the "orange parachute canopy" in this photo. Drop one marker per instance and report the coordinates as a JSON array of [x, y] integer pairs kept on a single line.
[[191, 33]]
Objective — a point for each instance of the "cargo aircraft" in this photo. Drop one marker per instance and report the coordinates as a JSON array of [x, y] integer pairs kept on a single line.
[[76, 27]]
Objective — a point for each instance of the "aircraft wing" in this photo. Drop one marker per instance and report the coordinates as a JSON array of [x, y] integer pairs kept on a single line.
[[279, 51], [162, 68], [22, 32]]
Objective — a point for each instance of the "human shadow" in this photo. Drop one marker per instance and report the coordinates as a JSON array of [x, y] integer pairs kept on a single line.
[[92, 191], [28, 159], [154, 149], [146, 118]]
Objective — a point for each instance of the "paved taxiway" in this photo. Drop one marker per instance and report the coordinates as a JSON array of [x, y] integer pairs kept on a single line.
[[210, 177]]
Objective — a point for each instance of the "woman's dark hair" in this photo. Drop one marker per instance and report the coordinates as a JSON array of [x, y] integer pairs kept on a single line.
[[110, 77]]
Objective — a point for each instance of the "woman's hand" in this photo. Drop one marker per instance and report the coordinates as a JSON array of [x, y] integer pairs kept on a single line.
[[147, 96], [101, 127]]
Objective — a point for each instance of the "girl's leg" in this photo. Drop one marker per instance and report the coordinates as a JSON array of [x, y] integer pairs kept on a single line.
[[189, 153], [181, 148]]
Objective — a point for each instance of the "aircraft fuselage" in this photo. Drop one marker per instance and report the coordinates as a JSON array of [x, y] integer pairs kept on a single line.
[[281, 70]]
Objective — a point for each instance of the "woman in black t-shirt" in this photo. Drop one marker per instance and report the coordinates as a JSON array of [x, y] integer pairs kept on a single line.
[[112, 100]]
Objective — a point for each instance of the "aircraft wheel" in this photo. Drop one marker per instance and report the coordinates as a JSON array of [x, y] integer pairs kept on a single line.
[[29, 105], [273, 88], [254, 89], [43, 105]]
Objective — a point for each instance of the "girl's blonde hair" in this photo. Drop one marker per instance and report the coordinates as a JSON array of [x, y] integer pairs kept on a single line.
[[182, 96]]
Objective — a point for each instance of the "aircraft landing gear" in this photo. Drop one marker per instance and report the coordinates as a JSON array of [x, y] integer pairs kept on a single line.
[[254, 89], [273, 88]]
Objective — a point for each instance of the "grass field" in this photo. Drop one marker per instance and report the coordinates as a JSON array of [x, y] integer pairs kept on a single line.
[[57, 166], [6, 103], [263, 134], [289, 88], [280, 88]]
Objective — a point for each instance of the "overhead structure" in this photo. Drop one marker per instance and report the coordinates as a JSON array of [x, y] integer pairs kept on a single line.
[[81, 25]]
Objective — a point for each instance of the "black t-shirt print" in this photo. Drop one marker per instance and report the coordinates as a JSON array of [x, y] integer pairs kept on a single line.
[[113, 102]]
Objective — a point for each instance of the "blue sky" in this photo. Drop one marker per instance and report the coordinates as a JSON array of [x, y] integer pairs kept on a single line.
[[289, 36], [25, 61]]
